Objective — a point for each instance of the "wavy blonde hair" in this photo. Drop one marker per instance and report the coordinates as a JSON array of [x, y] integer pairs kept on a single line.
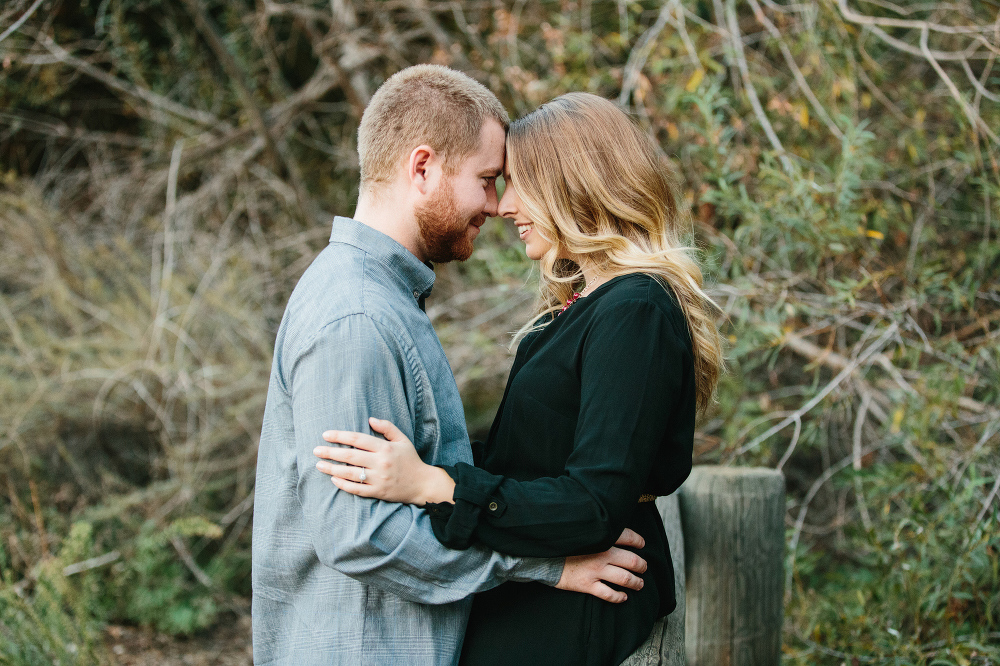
[[596, 186]]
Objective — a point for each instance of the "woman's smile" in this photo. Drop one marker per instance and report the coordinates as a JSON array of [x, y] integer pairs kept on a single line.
[[523, 229]]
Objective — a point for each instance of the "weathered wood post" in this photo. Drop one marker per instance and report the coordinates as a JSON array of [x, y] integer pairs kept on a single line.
[[665, 646], [733, 522], [672, 649]]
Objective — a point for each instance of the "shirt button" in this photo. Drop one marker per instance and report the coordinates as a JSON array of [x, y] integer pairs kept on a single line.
[[416, 294], [493, 506]]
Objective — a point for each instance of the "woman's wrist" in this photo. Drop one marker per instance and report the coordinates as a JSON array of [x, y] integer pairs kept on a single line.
[[438, 486]]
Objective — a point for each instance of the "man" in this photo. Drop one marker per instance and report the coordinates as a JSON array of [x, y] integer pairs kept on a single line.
[[339, 579]]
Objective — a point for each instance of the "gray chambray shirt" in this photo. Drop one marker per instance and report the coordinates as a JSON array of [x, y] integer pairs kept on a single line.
[[340, 579]]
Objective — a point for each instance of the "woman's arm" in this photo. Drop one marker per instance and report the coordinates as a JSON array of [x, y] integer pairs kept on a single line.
[[635, 377], [635, 423], [393, 470]]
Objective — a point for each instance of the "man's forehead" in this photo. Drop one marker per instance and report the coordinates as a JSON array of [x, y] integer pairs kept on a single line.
[[492, 142]]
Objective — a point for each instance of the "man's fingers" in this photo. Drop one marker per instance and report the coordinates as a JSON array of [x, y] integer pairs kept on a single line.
[[626, 560], [356, 439], [622, 578], [630, 539], [386, 429], [602, 591]]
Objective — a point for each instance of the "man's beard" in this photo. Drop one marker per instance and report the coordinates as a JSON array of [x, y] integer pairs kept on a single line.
[[443, 232]]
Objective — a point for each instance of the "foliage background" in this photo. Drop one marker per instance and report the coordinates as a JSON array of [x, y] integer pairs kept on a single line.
[[168, 169]]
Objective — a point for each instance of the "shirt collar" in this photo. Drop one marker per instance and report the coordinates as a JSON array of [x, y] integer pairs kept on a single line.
[[417, 276]]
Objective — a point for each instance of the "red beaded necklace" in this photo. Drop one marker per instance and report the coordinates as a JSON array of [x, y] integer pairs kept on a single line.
[[569, 302], [579, 294]]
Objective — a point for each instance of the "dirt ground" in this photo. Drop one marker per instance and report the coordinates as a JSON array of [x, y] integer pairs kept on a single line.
[[227, 645]]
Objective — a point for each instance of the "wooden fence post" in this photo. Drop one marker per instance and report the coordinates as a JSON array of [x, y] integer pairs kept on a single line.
[[672, 649], [665, 646], [734, 538]]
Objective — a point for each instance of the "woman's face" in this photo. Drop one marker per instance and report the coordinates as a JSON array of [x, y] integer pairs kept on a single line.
[[510, 206]]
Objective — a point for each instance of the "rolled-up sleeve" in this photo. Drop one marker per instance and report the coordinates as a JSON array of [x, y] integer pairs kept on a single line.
[[347, 372]]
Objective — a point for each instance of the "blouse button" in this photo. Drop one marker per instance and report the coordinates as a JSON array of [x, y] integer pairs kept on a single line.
[[493, 506]]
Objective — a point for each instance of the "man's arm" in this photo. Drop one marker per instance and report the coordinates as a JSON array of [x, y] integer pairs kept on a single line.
[[349, 371]]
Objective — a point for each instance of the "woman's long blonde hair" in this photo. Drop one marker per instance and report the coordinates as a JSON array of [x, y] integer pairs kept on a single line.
[[596, 186]]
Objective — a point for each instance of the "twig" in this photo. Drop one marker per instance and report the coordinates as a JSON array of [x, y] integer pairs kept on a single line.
[[874, 348], [39, 521], [971, 113], [623, 29], [737, 44], [92, 563], [796, 72], [921, 220], [189, 562], [791, 446], [679, 23], [863, 19], [640, 53], [859, 423], [986, 503], [236, 76], [881, 96], [989, 431], [906, 11], [148, 96], [160, 289], [977, 85], [19, 22], [813, 489]]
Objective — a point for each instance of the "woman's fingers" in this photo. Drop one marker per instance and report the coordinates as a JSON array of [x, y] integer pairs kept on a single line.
[[358, 440], [359, 489], [346, 455], [386, 429], [348, 472]]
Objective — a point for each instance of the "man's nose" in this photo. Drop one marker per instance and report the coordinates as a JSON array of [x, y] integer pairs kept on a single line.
[[491, 202]]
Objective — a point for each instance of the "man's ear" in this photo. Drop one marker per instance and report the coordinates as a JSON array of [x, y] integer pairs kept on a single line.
[[423, 167]]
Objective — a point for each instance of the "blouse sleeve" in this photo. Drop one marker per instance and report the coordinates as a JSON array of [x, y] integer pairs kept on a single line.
[[633, 368]]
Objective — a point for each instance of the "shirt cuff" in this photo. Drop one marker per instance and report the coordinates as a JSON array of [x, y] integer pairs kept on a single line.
[[455, 524], [547, 570]]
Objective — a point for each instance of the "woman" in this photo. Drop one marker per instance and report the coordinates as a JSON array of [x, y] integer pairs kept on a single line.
[[598, 415]]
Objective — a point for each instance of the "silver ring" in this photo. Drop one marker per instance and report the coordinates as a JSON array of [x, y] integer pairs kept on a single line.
[[364, 475]]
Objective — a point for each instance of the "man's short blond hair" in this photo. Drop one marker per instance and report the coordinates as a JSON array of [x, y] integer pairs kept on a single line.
[[424, 104]]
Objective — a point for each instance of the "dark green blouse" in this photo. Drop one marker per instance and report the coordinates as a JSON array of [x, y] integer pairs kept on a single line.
[[599, 409]]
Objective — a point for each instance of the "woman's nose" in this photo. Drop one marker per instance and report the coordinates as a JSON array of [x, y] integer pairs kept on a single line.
[[507, 208]]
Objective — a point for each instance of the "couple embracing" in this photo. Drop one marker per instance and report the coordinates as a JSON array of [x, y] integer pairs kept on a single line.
[[546, 546]]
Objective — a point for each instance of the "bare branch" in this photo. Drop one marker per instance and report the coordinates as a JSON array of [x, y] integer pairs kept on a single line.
[[863, 19], [640, 53], [974, 117], [796, 72], [236, 76], [970, 53], [19, 22], [147, 96], [737, 44], [872, 349]]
